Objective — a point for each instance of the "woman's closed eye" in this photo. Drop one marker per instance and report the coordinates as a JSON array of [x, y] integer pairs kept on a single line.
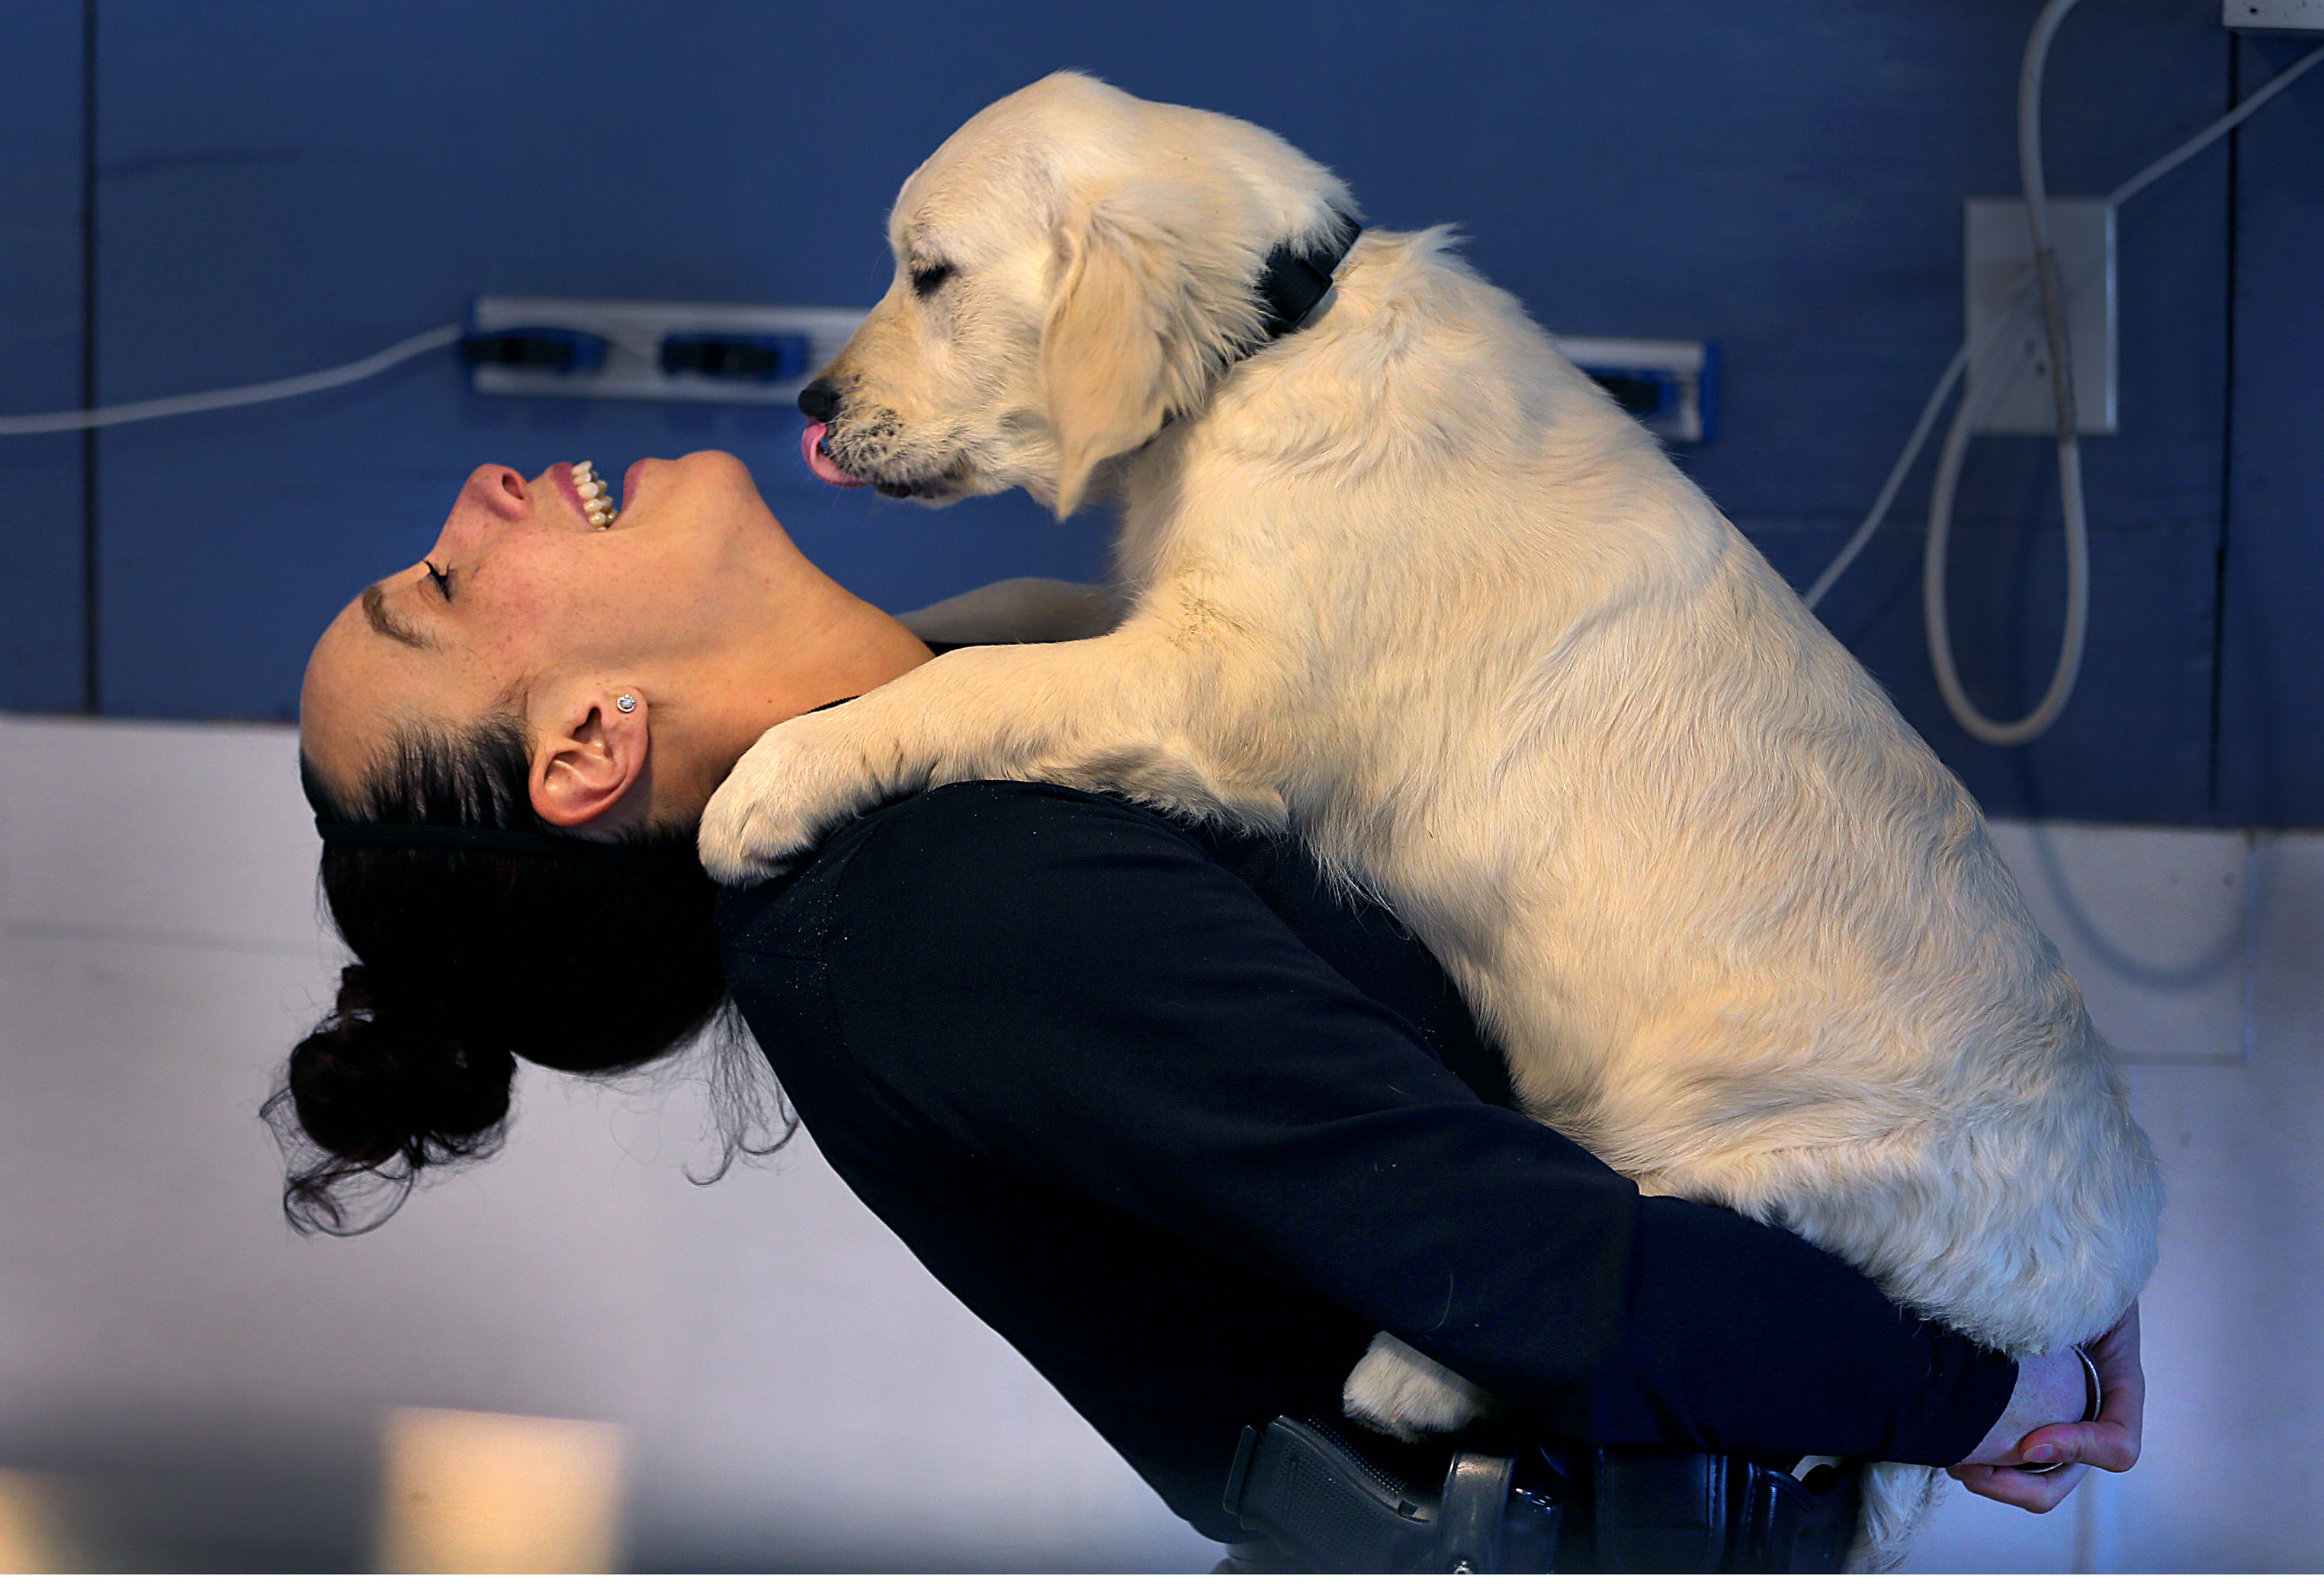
[[443, 578]]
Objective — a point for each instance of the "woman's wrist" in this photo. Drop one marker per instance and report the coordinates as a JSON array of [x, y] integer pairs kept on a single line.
[[2051, 1389], [2043, 1459], [2037, 1475]]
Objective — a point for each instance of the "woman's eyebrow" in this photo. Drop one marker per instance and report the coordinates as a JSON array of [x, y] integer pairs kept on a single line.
[[374, 606]]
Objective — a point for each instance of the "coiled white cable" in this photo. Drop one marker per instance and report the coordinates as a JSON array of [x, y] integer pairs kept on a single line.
[[1936, 620], [1934, 613], [1935, 617]]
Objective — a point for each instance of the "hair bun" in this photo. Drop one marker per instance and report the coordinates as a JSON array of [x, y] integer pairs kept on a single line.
[[387, 1085]]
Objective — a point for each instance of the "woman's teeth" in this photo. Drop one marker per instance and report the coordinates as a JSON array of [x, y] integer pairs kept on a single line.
[[596, 500]]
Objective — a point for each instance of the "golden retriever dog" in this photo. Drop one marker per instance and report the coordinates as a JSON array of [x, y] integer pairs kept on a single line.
[[1406, 581]]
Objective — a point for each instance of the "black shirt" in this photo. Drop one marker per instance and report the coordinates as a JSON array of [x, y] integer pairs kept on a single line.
[[1186, 1128]]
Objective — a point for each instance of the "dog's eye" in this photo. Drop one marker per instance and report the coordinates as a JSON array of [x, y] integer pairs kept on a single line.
[[927, 278]]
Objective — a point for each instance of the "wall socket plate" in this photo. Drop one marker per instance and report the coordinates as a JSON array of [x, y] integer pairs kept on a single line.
[[2011, 385], [633, 332]]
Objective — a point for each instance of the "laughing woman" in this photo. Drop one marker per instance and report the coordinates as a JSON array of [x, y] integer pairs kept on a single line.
[[1183, 1124]]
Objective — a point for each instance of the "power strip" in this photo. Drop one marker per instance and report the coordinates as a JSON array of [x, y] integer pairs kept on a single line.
[[1671, 388], [659, 352], [761, 353]]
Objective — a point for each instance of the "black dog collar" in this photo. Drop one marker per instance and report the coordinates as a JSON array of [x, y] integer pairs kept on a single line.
[[1294, 283]]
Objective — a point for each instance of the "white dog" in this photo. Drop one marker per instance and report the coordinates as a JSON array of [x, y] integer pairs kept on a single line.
[[1408, 582]]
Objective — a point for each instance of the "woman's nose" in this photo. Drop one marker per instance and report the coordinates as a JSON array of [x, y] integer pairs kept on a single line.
[[500, 490]]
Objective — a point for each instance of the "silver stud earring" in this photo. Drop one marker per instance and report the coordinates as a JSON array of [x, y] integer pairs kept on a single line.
[[627, 703]]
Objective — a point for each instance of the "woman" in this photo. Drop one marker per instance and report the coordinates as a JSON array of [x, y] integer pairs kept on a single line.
[[1181, 1123]]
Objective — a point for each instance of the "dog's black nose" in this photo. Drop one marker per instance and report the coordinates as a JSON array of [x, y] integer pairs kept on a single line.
[[818, 401]]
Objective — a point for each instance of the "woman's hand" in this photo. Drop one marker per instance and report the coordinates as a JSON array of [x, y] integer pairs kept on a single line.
[[2111, 1441]]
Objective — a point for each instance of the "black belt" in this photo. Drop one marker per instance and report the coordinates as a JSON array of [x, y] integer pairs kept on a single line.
[[1324, 1496]]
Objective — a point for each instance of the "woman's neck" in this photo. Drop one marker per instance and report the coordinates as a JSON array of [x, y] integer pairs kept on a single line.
[[821, 643]]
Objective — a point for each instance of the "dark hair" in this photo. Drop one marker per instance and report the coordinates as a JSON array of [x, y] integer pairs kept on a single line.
[[574, 955]]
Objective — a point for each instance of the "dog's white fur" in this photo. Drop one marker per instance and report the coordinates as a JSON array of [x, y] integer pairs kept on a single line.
[[1408, 582]]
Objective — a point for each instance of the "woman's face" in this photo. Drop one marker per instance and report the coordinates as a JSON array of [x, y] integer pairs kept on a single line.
[[685, 601]]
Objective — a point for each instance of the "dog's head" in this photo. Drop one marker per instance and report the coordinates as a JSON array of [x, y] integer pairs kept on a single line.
[[1074, 268]]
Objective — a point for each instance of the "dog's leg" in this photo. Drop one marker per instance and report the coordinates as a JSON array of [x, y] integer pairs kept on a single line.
[[1112, 713], [1897, 1498], [1406, 1393], [1015, 610]]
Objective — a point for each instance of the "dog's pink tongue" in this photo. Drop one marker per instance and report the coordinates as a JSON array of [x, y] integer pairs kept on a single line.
[[811, 446]]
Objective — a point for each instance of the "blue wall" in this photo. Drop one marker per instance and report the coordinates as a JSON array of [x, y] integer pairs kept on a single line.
[[281, 186], [2272, 660], [40, 518]]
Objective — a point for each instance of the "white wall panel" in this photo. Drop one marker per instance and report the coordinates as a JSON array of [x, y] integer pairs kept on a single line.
[[785, 1370]]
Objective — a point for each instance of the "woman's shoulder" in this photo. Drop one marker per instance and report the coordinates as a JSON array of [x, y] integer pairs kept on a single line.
[[985, 851], [996, 817], [987, 847]]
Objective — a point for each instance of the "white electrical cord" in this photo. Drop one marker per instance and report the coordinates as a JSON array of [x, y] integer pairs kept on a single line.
[[197, 402], [2020, 292], [2021, 299], [1937, 621], [2218, 129], [1950, 457], [1934, 615]]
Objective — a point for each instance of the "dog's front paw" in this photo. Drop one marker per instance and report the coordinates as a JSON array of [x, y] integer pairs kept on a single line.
[[788, 791], [1409, 1394]]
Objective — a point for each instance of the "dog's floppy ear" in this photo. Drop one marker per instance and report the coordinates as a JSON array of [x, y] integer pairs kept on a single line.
[[1102, 354], [1144, 313]]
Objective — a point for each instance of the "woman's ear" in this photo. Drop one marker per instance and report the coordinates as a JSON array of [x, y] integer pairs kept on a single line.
[[590, 762]]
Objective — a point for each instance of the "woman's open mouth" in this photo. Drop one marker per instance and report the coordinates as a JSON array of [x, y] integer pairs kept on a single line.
[[586, 490]]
